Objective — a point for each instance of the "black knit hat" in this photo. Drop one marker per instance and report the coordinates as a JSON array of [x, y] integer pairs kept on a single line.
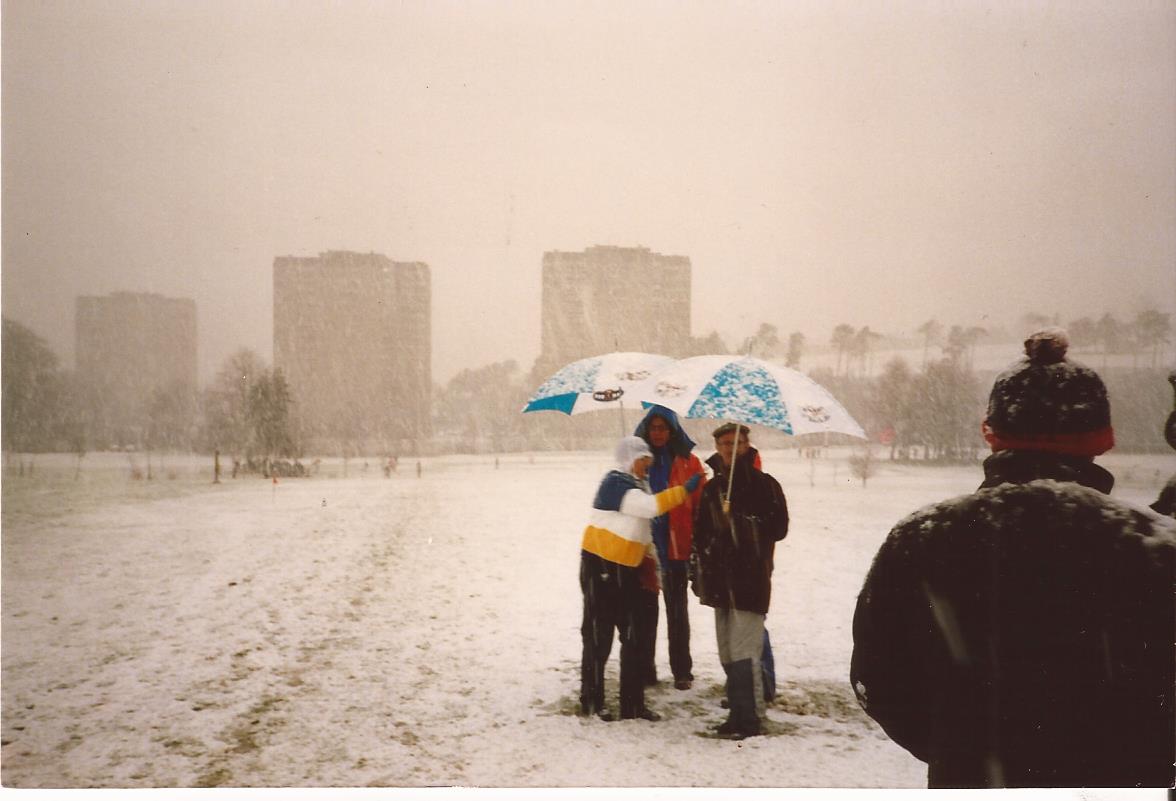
[[1049, 403], [727, 428]]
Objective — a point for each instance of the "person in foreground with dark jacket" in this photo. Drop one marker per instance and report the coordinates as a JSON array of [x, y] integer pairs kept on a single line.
[[1022, 636], [735, 537]]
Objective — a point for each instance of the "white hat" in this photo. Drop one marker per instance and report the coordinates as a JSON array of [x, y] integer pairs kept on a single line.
[[629, 450]]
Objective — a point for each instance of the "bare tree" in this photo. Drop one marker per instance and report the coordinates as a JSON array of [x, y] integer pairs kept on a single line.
[[1152, 329], [711, 343], [949, 404], [956, 345], [862, 464], [1112, 335], [795, 350], [842, 341], [931, 331], [1032, 321], [764, 343], [31, 387], [972, 335], [480, 406], [861, 346], [226, 403], [269, 415], [892, 403], [1083, 332]]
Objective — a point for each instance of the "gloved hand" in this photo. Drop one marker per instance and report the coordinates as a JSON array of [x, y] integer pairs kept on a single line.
[[692, 483]]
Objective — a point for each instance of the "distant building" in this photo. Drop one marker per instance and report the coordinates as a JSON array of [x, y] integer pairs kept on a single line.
[[352, 337], [136, 359], [613, 298]]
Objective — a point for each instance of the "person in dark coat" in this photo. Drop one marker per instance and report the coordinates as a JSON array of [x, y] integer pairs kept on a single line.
[[1022, 636], [673, 464], [735, 536], [1166, 503]]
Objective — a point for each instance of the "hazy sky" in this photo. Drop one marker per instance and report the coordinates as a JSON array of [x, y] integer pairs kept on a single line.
[[873, 163]]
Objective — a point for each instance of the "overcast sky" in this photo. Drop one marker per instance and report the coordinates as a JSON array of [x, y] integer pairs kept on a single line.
[[819, 162]]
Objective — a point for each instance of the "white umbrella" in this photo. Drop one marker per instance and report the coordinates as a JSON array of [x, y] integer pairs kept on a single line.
[[747, 390], [596, 383]]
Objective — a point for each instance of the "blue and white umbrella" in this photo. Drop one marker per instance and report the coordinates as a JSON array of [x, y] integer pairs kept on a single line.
[[596, 383], [748, 390]]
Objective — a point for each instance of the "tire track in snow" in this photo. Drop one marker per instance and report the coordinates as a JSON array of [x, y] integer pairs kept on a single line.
[[301, 672]]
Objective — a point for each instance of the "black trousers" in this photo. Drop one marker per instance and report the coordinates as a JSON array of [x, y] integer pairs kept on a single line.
[[612, 594], [675, 594]]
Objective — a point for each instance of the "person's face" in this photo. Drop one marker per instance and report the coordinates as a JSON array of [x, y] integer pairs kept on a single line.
[[726, 445], [641, 466], [658, 431]]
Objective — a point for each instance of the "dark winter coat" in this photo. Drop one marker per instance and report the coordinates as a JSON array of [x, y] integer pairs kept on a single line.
[[1023, 635], [733, 570]]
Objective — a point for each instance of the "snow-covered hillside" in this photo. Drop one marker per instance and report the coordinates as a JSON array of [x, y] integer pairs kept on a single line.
[[406, 631]]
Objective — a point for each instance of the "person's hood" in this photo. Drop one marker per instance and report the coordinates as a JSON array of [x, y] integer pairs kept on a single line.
[[628, 450], [680, 443]]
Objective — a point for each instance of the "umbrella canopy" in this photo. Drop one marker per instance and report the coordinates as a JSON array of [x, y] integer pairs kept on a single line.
[[596, 383], [748, 390]]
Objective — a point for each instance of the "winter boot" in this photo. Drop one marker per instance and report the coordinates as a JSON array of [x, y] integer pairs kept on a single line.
[[744, 722]]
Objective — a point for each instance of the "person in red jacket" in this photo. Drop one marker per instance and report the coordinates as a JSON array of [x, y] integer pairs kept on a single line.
[[673, 464]]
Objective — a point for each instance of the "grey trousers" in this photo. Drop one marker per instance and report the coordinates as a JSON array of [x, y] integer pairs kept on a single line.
[[741, 636]]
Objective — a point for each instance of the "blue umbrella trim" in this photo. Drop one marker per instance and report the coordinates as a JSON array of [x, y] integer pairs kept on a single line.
[[554, 403]]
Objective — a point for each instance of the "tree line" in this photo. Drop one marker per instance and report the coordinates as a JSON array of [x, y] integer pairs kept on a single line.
[[929, 411], [244, 412]]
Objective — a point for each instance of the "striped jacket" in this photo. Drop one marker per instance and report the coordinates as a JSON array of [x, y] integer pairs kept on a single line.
[[618, 529]]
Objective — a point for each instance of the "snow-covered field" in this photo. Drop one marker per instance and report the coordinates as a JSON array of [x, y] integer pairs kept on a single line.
[[408, 631]]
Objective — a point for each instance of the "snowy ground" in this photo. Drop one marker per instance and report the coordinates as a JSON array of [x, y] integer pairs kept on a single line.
[[407, 632]]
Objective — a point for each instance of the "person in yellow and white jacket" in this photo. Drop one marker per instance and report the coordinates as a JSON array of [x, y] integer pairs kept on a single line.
[[617, 562]]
